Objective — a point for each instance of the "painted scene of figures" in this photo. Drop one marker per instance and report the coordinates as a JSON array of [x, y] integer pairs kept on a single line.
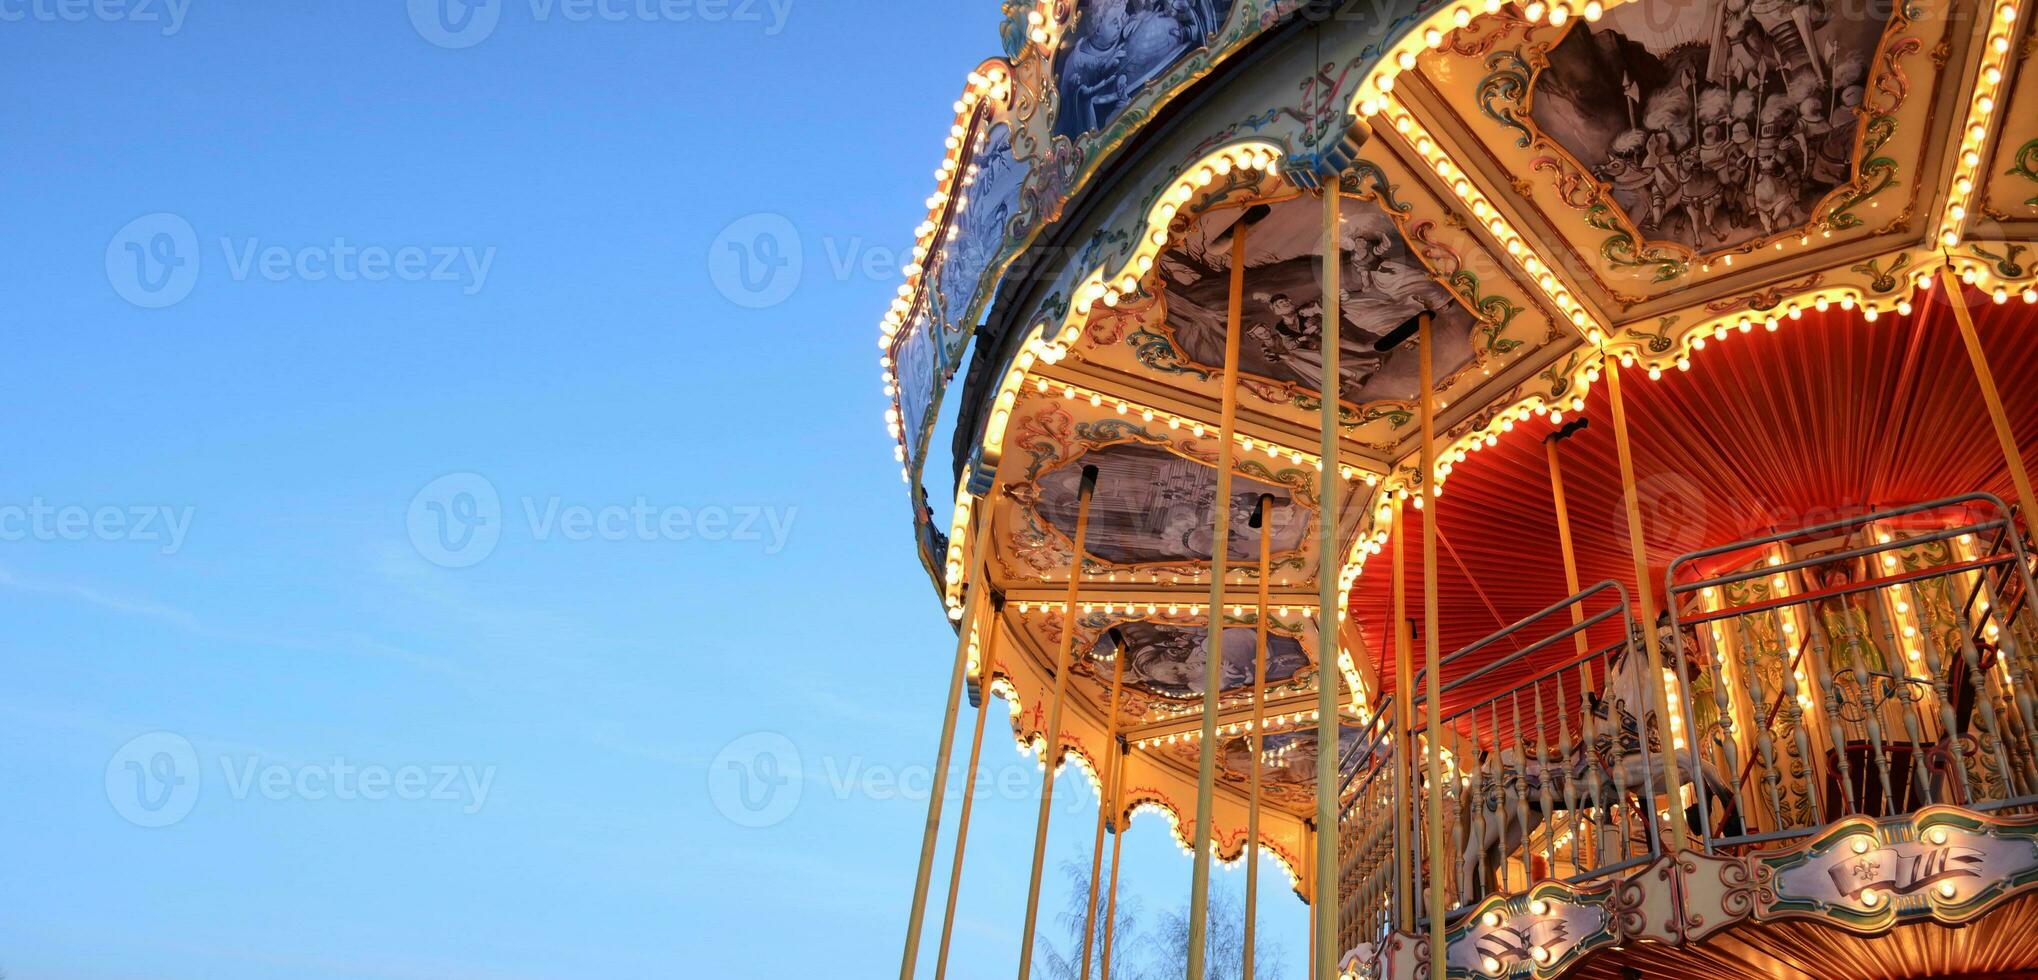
[[1289, 758], [1169, 660], [916, 371], [1383, 287], [1718, 125], [1154, 506], [1118, 46], [990, 199]]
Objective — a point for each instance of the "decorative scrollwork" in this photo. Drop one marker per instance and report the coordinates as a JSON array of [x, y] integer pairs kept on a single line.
[[1875, 175], [1494, 313], [2026, 166], [1559, 376], [1157, 352], [1347, 417], [1301, 482], [1501, 91], [1355, 182], [1739, 899], [1466, 42], [2006, 264], [1104, 431], [1764, 300], [1396, 417], [1880, 281], [1573, 189], [1044, 436], [1627, 916], [1658, 342], [1623, 249], [1241, 179]]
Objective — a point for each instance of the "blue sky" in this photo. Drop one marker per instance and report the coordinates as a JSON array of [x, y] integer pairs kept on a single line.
[[298, 298]]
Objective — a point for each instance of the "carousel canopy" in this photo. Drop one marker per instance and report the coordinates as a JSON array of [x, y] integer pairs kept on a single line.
[[1743, 201]]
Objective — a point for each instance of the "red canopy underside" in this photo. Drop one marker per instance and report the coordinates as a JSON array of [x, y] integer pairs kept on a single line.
[[1827, 416]]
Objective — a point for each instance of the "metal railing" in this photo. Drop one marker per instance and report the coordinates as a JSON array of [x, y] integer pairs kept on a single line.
[[1871, 665], [1368, 834], [1889, 672], [1552, 776]]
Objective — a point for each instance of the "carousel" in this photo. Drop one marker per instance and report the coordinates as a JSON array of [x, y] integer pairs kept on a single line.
[[1603, 424]]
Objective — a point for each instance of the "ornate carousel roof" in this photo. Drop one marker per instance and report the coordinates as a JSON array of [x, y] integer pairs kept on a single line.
[[1745, 200]]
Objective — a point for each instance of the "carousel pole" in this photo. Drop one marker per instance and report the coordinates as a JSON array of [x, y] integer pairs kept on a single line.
[[976, 752], [1213, 631], [1432, 666], [1050, 754], [1404, 731], [1309, 842], [1324, 894], [972, 598], [1564, 525], [1119, 823], [1647, 598], [2005, 436], [1261, 520], [1104, 795], [1570, 553]]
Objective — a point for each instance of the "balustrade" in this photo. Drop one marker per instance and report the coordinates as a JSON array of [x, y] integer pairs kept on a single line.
[[1870, 666]]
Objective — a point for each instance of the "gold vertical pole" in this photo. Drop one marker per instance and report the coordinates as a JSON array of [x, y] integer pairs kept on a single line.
[[976, 752], [2005, 436], [1570, 553], [973, 590], [1564, 538], [1328, 564], [1315, 901], [1104, 794], [1647, 598], [1213, 639], [1050, 751], [1118, 826], [1404, 728], [1432, 666], [1262, 517]]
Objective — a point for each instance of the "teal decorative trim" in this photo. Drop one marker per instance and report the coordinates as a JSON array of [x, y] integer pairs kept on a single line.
[[1502, 90], [2006, 264], [1880, 281], [2026, 166], [1157, 352]]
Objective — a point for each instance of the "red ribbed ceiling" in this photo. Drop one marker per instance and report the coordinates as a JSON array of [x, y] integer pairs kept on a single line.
[[1767, 431]]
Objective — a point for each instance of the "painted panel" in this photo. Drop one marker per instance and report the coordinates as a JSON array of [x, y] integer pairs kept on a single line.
[[1119, 47]]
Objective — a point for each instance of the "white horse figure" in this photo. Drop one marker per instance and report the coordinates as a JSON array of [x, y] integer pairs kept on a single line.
[[1622, 759]]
